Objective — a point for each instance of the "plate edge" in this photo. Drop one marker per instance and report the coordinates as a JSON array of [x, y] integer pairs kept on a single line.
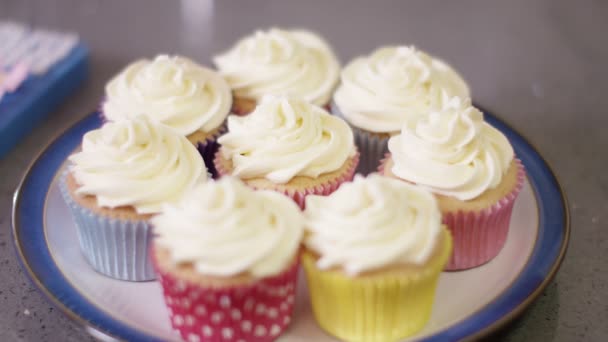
[[521, 307]]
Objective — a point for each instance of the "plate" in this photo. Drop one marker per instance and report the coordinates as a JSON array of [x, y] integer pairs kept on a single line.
[[469, 304]]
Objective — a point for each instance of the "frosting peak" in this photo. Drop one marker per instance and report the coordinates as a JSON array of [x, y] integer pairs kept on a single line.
[[380, 91], [279, 62], [372, 223], [174, 91], [225, 228], [283, 138], [451, 150], [136, 163]]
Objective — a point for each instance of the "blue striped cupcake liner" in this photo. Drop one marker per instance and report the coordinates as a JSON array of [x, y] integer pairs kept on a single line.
[[113, 247], [371, 146]]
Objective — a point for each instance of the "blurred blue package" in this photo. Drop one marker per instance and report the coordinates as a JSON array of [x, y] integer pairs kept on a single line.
[[38, 70]]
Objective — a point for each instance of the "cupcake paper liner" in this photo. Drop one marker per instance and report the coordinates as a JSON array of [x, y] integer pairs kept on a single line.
[[209, 147], [113, 247], [255, 312], [299, 195], [479, 235], [372, 146], [373, 308]]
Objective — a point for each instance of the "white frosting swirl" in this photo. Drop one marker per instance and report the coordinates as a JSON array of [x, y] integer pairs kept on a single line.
[[380, 91], [283, 138], [371, 223], [136, 163], [296, 63], [225, 228], [451, 151], [172, 90]]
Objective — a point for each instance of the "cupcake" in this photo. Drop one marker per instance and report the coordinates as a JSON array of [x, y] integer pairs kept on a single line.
[[290, 146], [279, 62], [174, 91], [374, 250], [227, 258], [378, 92], [472, 169], [122, 175]]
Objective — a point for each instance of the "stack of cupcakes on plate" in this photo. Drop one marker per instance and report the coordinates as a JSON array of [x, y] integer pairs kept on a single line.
[[227, 250]]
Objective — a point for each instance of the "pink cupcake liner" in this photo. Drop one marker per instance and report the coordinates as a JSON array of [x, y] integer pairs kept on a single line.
[[478, 237], [257, 312], [299, 195]]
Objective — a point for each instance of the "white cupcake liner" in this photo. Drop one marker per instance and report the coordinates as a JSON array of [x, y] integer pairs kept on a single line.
[[113, 247], [371, 146]]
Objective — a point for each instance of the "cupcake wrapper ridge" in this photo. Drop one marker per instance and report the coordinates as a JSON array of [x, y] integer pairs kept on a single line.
[[478, 235], [377, 308], [299, 195], [372, 149], [113, 247], [372, 146], [256, 312]]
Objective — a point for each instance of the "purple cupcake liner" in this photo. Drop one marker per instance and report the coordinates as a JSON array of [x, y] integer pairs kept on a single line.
[[208, 148]]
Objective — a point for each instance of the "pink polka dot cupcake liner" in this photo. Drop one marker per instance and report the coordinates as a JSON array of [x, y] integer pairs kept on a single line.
[[257, 312], [478, 236], [299, 195]]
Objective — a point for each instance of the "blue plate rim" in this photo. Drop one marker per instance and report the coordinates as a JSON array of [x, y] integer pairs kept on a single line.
[[488, 319]]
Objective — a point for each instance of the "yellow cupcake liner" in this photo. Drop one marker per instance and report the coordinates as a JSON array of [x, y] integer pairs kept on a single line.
[[377, 307]]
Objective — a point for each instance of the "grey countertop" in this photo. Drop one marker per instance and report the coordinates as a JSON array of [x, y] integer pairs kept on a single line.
[[540, 65]]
